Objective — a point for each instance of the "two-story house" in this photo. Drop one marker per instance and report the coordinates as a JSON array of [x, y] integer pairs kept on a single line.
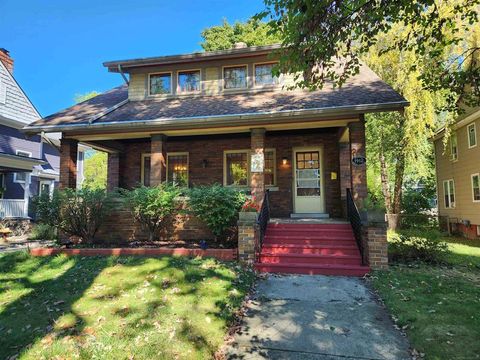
[[222, 117], [458, 174], [29, 165]]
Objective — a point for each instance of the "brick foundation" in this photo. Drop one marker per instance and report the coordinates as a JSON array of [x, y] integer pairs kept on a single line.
[[247, 233]]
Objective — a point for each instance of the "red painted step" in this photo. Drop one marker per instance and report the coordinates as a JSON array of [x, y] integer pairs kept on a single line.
[[309, 269], [313, 242], [310, 249], [267, 258]]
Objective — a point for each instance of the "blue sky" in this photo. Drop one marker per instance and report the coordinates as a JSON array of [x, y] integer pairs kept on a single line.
[[59, 45]]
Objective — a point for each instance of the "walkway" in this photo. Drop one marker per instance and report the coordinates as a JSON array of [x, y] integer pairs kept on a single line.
[[317, 317]]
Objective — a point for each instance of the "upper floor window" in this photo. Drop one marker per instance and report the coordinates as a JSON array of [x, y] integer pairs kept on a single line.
[[21, 177], [449, 194], [472, 135], [453, 147], [177, 169], [264, 76], [235, 77], [160, 83], [188, 81], [476, 187]]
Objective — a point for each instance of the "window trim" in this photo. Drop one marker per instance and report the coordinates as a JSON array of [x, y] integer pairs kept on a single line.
[[470, 146], [142, 167], [247, 77], [453, 159], [249, 155], [15, 180], [255, 85], [449, 194], [189, 92], [473, 192], [179, 153], [160, 73]]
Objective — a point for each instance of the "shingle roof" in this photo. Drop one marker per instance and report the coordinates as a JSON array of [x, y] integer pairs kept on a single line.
[[362, 90]]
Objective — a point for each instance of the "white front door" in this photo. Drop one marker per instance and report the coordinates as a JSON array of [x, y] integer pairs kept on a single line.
[[308, 187]]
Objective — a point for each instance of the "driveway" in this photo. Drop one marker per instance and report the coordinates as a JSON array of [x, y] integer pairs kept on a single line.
[[317, 317]]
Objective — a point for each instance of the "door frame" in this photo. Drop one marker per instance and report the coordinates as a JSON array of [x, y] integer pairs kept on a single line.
[[320, 149]]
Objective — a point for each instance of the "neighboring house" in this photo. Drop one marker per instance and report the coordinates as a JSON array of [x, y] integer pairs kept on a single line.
[[29, 165], [458, 174], [220, 117]]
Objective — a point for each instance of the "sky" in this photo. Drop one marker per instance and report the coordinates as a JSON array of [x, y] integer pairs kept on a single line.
[[59, 45]]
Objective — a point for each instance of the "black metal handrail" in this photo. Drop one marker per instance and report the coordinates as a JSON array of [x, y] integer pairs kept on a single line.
[[262, 222], [353, 216]]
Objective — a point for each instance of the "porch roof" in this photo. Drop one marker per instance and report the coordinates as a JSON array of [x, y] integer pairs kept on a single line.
[[363, 93], [11, 163]]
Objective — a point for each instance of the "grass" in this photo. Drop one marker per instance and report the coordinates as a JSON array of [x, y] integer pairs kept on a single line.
[[437, 306], [116, 308]]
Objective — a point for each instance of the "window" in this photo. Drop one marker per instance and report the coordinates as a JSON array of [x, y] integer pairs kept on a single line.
[[264, 76], [237, 168], [449, 194], [476, 187], [145, 171], [177, 169], [453, 147], [189, 81], [21, 177], [160, 84], [235, 77], [472, 135]]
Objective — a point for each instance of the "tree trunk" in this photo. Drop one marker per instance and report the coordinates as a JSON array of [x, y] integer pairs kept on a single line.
[[394, 218], [384, 178]]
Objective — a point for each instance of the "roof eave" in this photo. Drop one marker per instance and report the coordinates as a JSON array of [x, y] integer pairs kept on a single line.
[[222, 120]]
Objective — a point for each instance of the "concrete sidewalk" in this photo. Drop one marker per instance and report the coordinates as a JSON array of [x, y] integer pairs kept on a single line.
[[317, 317]]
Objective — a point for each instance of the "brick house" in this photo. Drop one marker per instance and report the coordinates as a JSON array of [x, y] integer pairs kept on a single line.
[[221, 117]]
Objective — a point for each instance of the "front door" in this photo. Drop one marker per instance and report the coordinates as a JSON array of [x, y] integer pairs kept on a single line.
[[308, 191]]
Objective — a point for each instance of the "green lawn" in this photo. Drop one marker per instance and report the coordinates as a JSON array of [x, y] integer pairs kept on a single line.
[[438, 306], [116, 308]]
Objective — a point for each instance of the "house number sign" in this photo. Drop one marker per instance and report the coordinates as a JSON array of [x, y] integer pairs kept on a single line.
[[359, 160], [257, 163]]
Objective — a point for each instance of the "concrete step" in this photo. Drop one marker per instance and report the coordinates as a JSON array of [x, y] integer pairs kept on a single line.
[[312, 269]]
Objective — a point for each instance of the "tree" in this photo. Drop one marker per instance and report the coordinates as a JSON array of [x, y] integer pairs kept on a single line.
[[95, 169], [252, 32], [324, 40], [84, 97]]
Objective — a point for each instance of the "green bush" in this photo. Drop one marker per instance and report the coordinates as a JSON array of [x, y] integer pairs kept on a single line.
[[410, 246], [47, 208], [216, 206], [43, 232], [83, 211], [152, 207]]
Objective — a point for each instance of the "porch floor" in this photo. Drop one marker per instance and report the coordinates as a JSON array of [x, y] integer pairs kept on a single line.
[[308, 221]]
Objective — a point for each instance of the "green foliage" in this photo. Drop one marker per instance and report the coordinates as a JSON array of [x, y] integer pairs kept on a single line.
[[223, 37], [95, 169], [152, 207], [47, 208], [84, 97], [418, 200], [83, 211], [217, 206], [417, 245], [43, 232]]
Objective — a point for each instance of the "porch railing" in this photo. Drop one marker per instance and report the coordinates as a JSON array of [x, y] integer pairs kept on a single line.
[[353, 216], [262, 222], [12, 208]]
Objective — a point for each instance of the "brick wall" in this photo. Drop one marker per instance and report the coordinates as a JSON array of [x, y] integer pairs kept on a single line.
[[113, 171], [68, 163], [376, 247]]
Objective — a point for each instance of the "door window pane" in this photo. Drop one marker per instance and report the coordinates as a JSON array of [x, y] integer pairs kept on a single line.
[[308, 173], [235, 77], [160, 84], [177, 171], [263, 75], [189, 81], [237, 168]]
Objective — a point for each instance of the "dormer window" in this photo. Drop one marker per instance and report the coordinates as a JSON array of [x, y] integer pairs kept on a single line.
[[188, 81], [160, 83], [235, 77], [264, 76]]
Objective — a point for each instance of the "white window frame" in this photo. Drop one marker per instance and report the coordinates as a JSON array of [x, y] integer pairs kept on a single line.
[[452, 157], [189, 92], [15, 180], [255, 75], [449, 194], [472, 125], [235, 66], [473, 190], [249, 173], [142, 167], [50, 183], [188, 164], [160, 73]]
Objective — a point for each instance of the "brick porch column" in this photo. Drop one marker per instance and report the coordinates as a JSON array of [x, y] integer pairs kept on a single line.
[[358, 172], [257, 180], [377, 246], [345, 173], [113, 171], [68, 163], [158, 159]]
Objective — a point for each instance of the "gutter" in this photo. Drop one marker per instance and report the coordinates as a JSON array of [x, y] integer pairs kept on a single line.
[[222, 120]]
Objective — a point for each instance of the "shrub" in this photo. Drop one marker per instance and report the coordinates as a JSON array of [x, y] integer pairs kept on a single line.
[[83, 211], [216, 206], [152, 207], [410, 246], [47, 208], [43, 232]]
